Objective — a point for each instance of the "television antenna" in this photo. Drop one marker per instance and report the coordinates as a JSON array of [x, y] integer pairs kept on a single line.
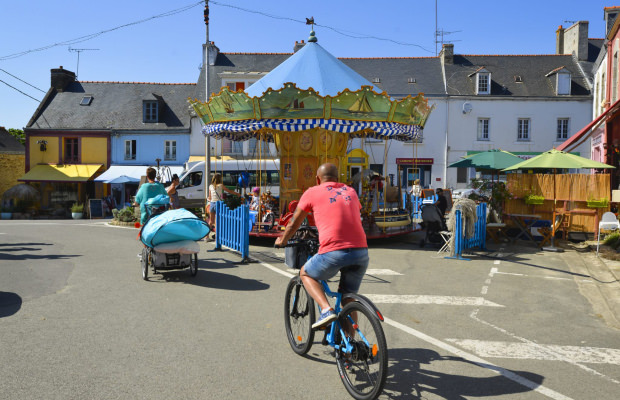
[[78, 51], [440, 34]]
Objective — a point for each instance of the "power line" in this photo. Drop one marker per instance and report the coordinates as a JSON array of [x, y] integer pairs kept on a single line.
[[25, 94], [94, 35], [21, 80], [350, 34]]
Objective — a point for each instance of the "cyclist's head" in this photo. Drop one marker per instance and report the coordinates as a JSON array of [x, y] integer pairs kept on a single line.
[[327, 173], [151, 173], [217, 179]]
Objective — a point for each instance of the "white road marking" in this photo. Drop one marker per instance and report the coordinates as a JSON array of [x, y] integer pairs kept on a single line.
[[548, 352], [425, 299], [474, 316], [381, 272], [479, 361], [484, 290], [458, 352], [496, 262], [557, 278], [280, 254], [493, 272]]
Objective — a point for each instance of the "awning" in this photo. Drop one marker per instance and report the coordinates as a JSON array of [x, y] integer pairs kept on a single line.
[[136, 171], [61, 173], [585, 133]]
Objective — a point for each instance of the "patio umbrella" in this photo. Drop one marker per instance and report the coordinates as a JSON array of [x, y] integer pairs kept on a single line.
[[554, 160], [22, 191], [124, 179], [492, 160]]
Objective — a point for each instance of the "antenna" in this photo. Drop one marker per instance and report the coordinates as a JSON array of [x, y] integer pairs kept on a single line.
[[441, 33], [569, 22], [78, 51]]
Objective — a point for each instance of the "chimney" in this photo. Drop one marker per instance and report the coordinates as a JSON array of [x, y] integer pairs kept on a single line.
[[61, 78], [447, 53], [212, 51], [298, 46], [576, 40], [559, 40], [610, 17]]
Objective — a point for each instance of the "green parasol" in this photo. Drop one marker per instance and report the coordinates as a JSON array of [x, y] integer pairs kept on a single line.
[[492, 160]]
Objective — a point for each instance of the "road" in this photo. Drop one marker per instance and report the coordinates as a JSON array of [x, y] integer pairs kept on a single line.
[[78, 322]]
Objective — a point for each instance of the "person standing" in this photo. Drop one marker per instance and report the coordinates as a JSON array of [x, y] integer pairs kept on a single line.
[[342, 240], [216, 193], [172, 192], [416, 189], [147, 191]]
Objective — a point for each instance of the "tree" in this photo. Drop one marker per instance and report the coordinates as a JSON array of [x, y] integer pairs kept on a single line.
[[18, 134]]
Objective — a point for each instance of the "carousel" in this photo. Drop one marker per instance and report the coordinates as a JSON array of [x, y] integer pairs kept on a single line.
[[315, 108]]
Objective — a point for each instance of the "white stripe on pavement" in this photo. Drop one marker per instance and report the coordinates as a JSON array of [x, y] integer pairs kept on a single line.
[[577, 354], [381, 272], [425, 299]]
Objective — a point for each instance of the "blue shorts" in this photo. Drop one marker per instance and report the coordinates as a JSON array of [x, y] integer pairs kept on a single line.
[[212, 205], [352, 264]]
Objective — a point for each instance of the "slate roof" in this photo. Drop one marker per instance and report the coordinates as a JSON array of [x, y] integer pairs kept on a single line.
[[503, 68], [8, 143], [115, 105], [393, 73]]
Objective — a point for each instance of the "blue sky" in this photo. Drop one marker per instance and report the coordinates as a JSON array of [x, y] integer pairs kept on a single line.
[[168, 48]]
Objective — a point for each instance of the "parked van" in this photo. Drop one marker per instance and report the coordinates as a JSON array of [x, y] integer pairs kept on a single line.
[[192, 187]]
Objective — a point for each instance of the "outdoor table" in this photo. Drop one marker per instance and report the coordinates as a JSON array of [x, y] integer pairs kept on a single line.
[[524, 222]]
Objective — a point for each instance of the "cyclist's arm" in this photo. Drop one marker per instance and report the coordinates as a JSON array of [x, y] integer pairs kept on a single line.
[[293, 225]]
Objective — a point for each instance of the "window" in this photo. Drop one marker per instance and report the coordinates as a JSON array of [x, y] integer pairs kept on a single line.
[[484, 83], [562, 128], [130, 149], [523, 130], [483, 129], [71, 151], [461, 175], [255, 148], [235, 86], [150, 111], [86, 100], [170, 152], [563, 83]]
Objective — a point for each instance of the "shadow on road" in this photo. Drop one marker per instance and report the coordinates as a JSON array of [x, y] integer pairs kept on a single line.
[[10, 303], [408, 379]]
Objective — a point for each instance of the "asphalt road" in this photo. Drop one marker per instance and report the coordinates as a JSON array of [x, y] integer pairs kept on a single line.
[[78, 322]]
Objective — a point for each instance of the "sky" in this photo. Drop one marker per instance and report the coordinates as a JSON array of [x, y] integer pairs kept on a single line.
[[161, 40]]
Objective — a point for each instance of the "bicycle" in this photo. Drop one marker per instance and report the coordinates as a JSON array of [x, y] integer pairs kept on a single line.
[[356, 335]]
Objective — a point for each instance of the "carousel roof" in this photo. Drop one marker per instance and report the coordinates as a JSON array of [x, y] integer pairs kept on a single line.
[[311, 67]]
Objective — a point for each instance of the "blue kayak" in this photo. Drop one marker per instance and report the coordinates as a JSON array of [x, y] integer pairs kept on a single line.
[[173, 226]]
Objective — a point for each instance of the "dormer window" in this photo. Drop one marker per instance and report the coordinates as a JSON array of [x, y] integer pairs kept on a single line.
[[563, 83], [86, 100], [150, 111], [483, 80], [561, 79]]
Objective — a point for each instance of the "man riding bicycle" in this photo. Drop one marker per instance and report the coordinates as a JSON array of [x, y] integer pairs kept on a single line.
[[336, 211]]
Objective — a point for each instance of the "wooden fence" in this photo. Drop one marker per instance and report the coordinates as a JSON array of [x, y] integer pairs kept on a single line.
[[574, 194]]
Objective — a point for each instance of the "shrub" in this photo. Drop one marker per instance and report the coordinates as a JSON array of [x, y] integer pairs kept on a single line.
[[125, 215], [612, 239], [77, 208], [233, 202]]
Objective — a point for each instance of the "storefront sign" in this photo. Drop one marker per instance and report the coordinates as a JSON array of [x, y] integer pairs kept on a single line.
[[416, 161]]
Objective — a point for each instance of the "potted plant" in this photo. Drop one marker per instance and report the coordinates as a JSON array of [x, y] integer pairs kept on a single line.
[[6, 212], [534, 199], [77, 211], [598, 203]]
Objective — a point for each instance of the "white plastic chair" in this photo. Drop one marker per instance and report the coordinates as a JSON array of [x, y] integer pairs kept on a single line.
[[609, 222]]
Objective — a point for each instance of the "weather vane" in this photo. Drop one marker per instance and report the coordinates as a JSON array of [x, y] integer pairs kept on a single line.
[[310, 21]]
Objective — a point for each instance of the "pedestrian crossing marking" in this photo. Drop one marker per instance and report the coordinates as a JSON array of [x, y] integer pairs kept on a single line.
[[425, 299], [535, 351]]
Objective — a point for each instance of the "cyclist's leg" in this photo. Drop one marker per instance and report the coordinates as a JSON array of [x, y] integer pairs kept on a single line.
[[351, 279], [314, 289]]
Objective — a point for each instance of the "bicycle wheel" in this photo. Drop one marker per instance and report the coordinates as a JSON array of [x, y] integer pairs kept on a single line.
[[144, 262], [363, 368], [299, 316], [193, 265]]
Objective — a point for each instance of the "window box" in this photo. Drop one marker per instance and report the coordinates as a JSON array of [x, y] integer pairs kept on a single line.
[[600, 203], [534, 199]]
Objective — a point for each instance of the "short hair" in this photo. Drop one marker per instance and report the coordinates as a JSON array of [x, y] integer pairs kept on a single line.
[[151, 173], [439, 190], [174, 177]]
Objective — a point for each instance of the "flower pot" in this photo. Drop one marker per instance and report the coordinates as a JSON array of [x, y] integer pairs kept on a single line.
[[77, 215], [534, 201], [5, 215], [598, 203]]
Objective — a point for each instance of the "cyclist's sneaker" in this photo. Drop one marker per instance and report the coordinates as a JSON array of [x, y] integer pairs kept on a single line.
[[326, 318]]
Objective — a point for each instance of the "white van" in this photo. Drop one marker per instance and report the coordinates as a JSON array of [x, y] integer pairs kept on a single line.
[[192, 187]]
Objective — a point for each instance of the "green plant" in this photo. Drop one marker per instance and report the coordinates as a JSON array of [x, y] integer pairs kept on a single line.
[[77, 208], [233, 202], [534, 199], [125, 215], [596, 203], [496, 192], [612, 239]]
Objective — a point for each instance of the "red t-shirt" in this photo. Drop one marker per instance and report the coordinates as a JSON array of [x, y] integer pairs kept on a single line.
[[336, 211]]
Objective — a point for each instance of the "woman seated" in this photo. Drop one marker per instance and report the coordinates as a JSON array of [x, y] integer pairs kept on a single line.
[[255, 200]]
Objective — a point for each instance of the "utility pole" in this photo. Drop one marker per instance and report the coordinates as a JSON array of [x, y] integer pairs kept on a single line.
[[207, 137], [78, 51]]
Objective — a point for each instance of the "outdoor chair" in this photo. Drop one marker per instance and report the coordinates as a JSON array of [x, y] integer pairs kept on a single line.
[[445, 237], [608, 222]]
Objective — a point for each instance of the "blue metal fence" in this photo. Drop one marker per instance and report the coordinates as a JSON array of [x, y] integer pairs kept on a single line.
[[480, 232], [416, 202], [232, 228]]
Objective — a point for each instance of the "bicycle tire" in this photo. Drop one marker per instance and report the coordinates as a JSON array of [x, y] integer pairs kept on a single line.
[[364, 370], [299, 315], [144, 263]]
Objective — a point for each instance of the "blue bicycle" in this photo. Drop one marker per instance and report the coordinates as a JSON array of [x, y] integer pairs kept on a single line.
[[356, 335]]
